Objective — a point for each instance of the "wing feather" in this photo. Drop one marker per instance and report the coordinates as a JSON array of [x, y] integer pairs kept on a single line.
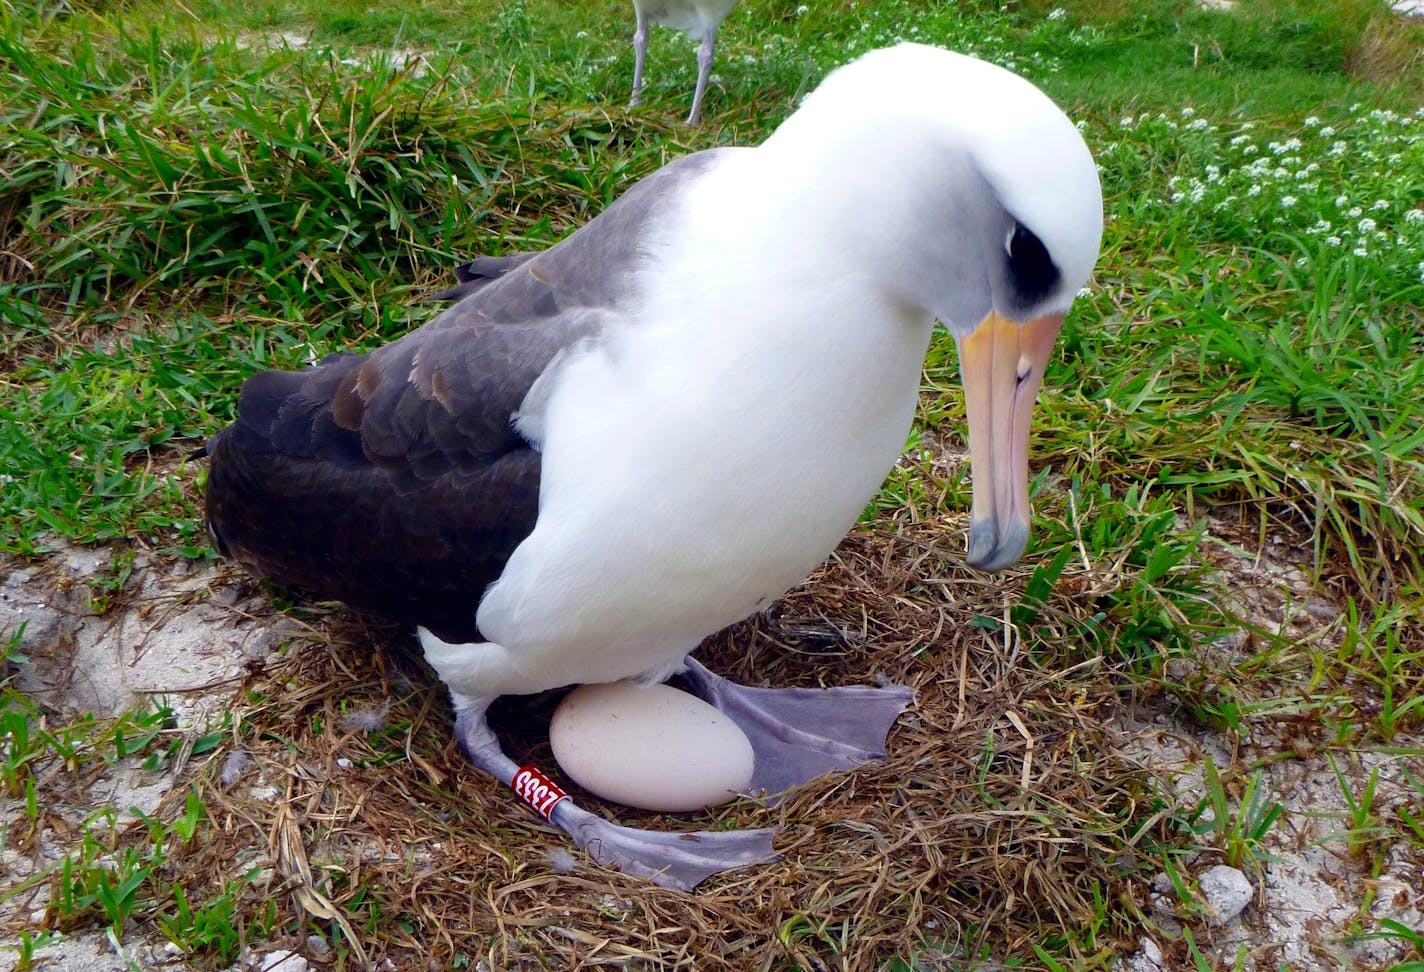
[[397, 481]]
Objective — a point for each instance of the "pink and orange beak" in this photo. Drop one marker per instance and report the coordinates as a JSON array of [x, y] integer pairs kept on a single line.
[[1001, 365]]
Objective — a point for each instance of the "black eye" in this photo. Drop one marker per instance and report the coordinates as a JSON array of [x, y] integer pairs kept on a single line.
[[1030, 267]]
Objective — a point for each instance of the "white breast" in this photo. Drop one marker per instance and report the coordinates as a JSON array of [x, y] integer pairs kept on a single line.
[[706, 459]]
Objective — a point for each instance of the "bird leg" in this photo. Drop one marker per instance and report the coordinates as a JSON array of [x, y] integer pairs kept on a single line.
[[673, 860], [799, 734], [640, 53], [704, 70]]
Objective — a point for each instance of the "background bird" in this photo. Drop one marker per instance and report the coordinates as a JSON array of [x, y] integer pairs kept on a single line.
[[607, 451], [699, 18]]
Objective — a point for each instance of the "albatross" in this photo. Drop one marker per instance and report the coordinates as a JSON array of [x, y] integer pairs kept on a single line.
[[606, 451], [699, 19]]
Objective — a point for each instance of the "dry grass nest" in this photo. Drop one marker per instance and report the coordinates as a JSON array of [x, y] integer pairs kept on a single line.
[[1001, 815]]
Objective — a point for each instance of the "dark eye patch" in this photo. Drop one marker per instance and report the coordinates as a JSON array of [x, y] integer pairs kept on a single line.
[[1030, 267]]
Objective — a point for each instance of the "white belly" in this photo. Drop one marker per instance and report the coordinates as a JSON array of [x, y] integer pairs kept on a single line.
[[697, 17], [688, 483]]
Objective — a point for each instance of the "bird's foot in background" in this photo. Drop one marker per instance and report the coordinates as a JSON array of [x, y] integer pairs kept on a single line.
[[799, 734]]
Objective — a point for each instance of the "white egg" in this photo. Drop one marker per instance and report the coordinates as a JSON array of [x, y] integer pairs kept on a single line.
[[650, 746]]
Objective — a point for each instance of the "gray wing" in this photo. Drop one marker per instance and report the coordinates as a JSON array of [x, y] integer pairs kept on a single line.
[[396, 480]]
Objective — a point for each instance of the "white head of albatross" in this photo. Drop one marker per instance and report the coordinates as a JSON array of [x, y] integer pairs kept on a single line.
[[607, 451], [979, 199]]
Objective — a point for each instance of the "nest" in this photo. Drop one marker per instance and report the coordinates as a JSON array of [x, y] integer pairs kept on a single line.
[[343, 809]]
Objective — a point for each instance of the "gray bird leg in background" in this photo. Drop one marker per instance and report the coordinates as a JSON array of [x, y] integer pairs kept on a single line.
[[704, 70], [673, 860], [640, 54]]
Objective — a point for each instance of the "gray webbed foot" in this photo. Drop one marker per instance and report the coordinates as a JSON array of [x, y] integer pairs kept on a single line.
[[672, 860], [799, 734], [679, 861]]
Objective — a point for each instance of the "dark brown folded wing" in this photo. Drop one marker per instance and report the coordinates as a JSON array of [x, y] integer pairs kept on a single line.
[[395, 480]]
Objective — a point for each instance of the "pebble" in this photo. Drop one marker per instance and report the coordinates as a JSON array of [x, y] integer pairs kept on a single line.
[[1227, 892], [1147, 958], [283, 961]]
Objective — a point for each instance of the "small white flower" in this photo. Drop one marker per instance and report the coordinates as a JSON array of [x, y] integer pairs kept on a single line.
[[1341, 202], [802, 10], [1250, 150], [1322, 226], [1188, 112], [1239, 139], [1414, 216], [1199, 125], [1084, 292], [1057, 13], [1354, 212], [1360, 251], [581, 34], [1327, 131], [1337, 149], [1125, 121], [1311, 121], [1288, 201], [1380, 205], [1254, 190], [1333, 240]]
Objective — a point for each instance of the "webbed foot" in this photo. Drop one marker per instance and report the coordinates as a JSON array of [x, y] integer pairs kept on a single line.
[[799, 734]]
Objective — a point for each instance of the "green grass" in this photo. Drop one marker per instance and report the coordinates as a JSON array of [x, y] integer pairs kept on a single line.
[[182, 204]]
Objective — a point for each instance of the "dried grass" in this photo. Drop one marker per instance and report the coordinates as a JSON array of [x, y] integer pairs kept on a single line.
[[999, 817], [1389, 52]]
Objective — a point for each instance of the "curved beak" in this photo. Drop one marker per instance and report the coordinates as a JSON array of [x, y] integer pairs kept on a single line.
[[1001, 365]]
